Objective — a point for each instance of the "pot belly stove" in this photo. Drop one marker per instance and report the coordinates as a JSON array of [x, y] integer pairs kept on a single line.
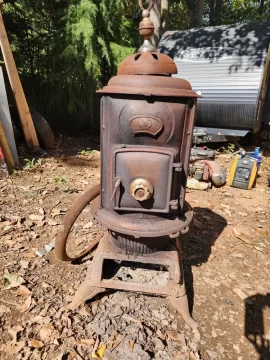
[[147, 120]]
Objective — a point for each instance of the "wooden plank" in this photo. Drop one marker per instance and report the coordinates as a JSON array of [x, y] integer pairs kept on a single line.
[[6, 119], [6, 150], [26, 119]]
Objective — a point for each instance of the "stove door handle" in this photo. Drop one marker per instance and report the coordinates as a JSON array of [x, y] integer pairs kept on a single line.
[[116, 187]]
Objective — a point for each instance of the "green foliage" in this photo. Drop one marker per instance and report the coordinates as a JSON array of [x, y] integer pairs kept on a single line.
[[65, 50], [86, 152], [228, 149], [59, 180], [32, 164], [180, 15], [238, 11]]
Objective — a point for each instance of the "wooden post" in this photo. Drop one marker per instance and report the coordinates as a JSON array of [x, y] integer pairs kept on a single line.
[[26, 118], [6, 150]]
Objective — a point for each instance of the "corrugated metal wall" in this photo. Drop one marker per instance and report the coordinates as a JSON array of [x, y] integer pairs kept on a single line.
[[224, 81], [226, 65]]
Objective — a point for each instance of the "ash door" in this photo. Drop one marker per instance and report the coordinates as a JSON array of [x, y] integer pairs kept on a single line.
[[142, 170]]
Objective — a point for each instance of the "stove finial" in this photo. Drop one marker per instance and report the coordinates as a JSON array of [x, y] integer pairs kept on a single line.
[[146, 28]]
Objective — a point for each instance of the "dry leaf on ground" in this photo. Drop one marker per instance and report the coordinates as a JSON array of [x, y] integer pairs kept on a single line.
[[35, 217], [26, 305], [14, 332], [240, 236], [13, 349], [46, 332], [41, 211], [13, 281], [131, 344], [99, 353], [198, 224], [35, 343], [115, 341], [88, 342], [24, 291]]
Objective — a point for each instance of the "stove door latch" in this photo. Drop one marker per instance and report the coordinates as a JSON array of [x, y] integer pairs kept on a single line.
[[178, 167], [116, 187]]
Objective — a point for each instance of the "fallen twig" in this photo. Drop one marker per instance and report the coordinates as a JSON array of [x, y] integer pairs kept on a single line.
[[8, 302], [7, 231]]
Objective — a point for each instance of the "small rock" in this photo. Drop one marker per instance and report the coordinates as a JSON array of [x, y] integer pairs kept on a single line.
[[88, 225], [240, 293], [236, 348], [228, 301], [41, 211], [227, 194], [149, 332], [52, 222], [196, 334], [221, 349], [212, 354], [158, 344], [116, 311], [142, 338], [35, 217], [165, 322], [162, 355], [156, 314], [24, 264], [129, 318], [177, 337], [138, 353], [4, 310]]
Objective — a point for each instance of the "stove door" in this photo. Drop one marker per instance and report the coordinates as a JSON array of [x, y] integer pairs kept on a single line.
[[153, 166]]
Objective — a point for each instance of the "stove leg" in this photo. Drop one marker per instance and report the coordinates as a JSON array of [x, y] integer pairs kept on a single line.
[[85, 292], [181, 305], [179, 298]]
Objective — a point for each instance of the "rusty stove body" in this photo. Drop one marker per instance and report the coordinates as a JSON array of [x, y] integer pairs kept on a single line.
[[147, 120]]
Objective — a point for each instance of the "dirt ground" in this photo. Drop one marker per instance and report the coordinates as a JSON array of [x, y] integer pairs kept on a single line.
[[226, 262]]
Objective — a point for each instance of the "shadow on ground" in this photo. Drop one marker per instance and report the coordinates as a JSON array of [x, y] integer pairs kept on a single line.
[[257, 319], [197, 244]]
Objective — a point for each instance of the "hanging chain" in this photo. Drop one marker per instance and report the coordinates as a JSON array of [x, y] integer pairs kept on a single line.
[[150, 5]]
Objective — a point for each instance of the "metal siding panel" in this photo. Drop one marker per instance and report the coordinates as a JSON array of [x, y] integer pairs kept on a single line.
[[217, 83], [226, 65]]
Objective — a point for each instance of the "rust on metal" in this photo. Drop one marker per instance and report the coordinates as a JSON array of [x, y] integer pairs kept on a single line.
[[148, 63], [147, 119], [151, 226], [149, 86], [68, 221], [174, 290], [146, 125]]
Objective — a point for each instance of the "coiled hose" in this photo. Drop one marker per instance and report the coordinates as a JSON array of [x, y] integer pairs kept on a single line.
[[69, 220]]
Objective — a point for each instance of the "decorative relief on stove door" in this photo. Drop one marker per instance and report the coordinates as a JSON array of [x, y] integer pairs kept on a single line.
[[149, 125], [145, 123]]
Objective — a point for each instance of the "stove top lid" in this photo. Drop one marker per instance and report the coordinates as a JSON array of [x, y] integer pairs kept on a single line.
[[147, 63]]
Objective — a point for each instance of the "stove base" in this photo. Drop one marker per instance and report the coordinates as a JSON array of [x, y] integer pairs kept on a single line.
[[174, 290]]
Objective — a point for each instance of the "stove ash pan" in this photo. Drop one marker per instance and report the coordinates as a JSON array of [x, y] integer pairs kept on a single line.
[[146, 134]]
